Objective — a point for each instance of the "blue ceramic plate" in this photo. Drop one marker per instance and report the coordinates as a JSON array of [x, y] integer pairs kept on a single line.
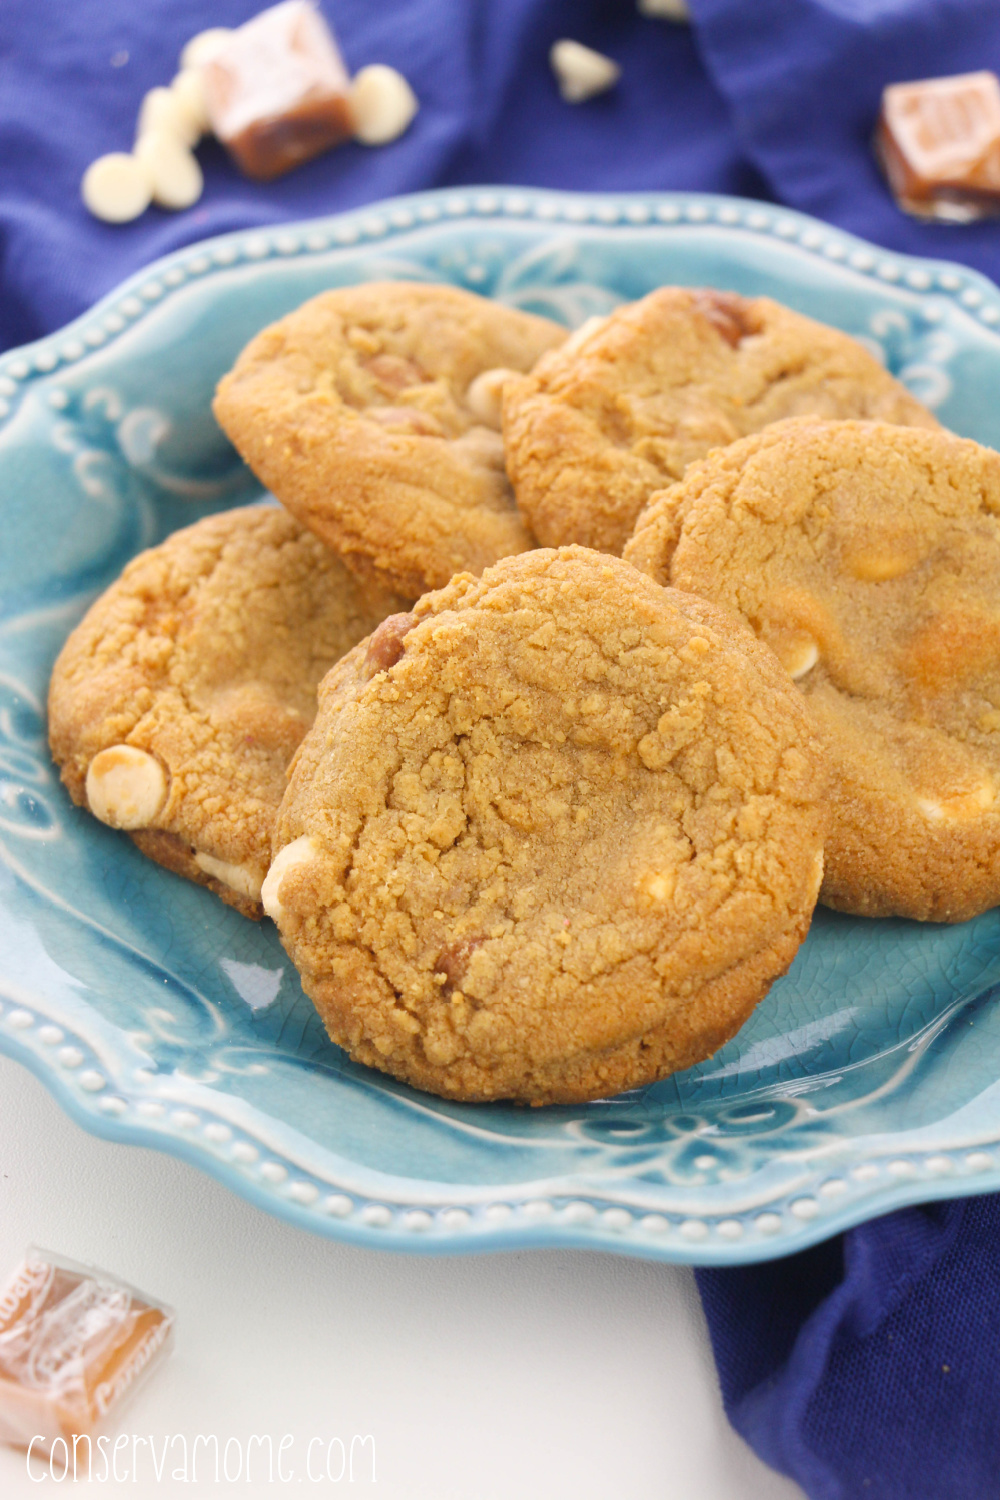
[[865, 1080]]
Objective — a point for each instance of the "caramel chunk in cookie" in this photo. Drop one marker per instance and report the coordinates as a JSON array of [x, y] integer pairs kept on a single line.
[[369, 414], [868, 557], [179, 700], [559, 845], [626, 405], [385, 645]]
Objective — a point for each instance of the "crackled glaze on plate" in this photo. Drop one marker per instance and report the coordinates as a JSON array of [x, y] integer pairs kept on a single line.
[[868, 1078]]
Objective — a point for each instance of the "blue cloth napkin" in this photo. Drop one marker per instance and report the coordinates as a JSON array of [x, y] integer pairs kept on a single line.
[[803, 80], [869, 1365], [490, 112]]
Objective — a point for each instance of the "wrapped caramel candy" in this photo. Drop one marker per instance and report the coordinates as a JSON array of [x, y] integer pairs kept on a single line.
[[74, 1343], [939, 144], [276, 90]]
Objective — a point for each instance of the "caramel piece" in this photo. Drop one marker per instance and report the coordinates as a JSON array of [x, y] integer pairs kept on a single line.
[[73, 1343], [727, 314], [276, 91], [452, 963], [939, 144], [385, 644]]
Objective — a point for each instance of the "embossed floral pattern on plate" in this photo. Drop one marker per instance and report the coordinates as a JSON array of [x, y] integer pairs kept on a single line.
[[865, 1079]]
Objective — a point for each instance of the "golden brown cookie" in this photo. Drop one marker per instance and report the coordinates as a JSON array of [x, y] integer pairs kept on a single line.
[[373, 413], [868, 557], [553, 834], [630, 400], [180, 698]]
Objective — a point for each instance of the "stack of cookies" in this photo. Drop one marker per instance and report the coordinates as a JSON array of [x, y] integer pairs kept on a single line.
[[544, 822]]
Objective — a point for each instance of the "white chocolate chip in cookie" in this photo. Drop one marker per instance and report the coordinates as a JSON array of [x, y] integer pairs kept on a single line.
[[484, 398], [299, 852], [819, 866], [802, 659], [483, 447], [658, 885], [126, 787], [240, 878], [879, 567], [580, 71], [405, 419], [959, 807], [580, 336], [797, 650]]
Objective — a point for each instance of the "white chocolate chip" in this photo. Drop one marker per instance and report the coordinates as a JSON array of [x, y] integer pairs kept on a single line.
[[239, 878], [580, 335], [299, 852], [879, 567], [580, 71], [382, 104], [658, 885], [116, 188], [161, 110], [203, 47], [126, 787], [173, 169], [484, 398], [483, 447], [960, 807], [665, 10], [801, 658], [188, 89], [819, 865]]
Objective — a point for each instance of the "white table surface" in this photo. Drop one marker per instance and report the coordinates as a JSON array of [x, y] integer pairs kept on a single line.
[[545, 1374]]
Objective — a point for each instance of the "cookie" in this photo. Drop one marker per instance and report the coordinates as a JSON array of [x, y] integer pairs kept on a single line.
[[629, 401], [180, 698], [373, 413], [868, 557], [553, 834]]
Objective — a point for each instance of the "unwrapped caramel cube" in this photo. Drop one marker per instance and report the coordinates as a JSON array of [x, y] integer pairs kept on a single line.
[[74, 1343], [277, 91], [939, 144]]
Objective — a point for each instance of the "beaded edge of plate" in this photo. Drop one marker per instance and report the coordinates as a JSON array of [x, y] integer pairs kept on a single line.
[[95, 330], [786, 1221], [831, 1200]]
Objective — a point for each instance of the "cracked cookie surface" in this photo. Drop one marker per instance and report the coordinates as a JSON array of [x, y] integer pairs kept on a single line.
[[180, 698], [627, 403], [868, 557], [553, 834], [372, 412]]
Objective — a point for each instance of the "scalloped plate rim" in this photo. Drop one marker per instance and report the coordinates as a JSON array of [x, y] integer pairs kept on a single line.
[[518, 1227]]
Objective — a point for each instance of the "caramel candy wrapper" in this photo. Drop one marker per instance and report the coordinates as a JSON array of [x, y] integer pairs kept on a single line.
[[276, 91], [74, 1342], [939, 144]]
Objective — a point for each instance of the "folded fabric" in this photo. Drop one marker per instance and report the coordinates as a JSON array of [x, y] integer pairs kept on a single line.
[[490, 112], [868, 1365], [803, 80]]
